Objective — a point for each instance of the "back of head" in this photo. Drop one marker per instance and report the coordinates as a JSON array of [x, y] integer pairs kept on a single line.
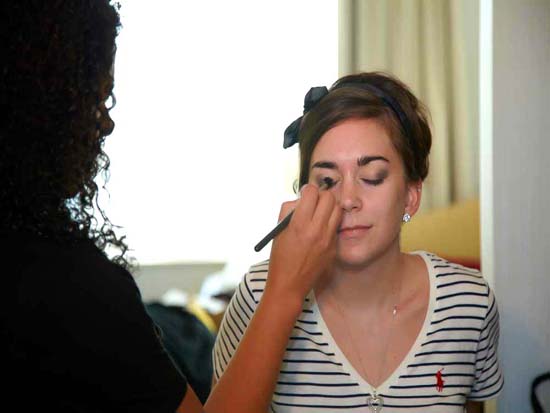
[[55, 80]]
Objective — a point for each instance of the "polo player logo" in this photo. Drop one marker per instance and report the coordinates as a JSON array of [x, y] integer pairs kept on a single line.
[[440, 382]]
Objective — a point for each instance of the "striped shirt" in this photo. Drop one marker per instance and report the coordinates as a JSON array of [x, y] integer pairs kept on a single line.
[[454, 357]]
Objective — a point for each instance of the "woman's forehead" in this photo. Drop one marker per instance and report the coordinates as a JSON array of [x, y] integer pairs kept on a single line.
[[352, 140]]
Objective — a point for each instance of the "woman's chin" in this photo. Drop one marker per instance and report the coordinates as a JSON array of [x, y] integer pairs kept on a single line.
[[353, 259], [358, 257]]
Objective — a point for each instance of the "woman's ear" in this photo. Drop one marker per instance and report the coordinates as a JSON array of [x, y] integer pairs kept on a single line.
[[414, 195]]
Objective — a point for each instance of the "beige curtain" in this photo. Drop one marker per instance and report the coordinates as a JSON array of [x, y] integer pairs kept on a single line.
[[431, 45]]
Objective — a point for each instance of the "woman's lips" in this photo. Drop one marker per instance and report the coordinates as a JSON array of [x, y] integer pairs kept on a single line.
[[354, 231]]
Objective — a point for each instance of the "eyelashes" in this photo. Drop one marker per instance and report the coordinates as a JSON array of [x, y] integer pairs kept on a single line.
[[373, 182], [327, 182]]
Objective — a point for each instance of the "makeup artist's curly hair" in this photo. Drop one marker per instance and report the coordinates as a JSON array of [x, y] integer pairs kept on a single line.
[[55, 79]]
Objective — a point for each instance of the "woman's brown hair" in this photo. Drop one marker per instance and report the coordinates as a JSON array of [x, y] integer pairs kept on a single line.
[[377, 96]]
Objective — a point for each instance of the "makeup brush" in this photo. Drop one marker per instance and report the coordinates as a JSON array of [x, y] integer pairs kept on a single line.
[[327, 183], [274, 232]]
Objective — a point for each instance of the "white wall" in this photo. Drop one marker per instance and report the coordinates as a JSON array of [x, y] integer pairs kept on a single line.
[[516, 230], [204, 93]]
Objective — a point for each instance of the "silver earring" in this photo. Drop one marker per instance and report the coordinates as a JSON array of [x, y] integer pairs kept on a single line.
[[406, 217]]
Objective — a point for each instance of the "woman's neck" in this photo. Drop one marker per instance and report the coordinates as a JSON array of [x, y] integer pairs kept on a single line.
[[373, 285]]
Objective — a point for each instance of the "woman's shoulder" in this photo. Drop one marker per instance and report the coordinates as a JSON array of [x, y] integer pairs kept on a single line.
[[457, 283], [448, 276], [41, 264], [41, 247], [253, 283], [443, 267], [259, 267]]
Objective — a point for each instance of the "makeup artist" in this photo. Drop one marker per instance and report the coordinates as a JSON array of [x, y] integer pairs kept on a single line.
[[339, 318], [75, 334]]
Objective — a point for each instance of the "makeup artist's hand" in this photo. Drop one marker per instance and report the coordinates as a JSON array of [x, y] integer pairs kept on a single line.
[[306, 248]]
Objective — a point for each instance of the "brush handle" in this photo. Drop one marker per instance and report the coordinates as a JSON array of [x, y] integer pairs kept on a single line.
[[274, 232]]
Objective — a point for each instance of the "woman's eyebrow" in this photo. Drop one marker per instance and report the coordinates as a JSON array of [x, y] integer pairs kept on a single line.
[[364, 160], [324, 164]]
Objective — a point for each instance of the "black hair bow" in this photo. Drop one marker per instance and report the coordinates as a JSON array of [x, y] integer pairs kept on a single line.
[[314, 95]]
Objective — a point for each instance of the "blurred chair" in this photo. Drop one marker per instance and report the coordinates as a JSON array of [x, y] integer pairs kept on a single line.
[[451, 232]]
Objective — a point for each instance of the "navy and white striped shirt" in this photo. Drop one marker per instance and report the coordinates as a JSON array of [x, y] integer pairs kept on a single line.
[[454, 357]]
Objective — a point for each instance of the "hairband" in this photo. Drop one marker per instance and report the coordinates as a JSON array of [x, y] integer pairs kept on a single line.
[[315, 94]]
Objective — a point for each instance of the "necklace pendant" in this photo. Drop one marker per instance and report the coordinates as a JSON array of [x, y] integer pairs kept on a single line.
[[375, 402]]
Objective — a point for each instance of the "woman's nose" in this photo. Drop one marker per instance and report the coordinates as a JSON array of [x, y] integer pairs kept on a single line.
[[349, 196]]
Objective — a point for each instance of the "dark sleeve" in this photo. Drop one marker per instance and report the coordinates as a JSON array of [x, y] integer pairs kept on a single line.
[[92, 333]]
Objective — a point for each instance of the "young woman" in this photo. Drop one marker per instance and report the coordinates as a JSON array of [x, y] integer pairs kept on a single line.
[[339, 319]]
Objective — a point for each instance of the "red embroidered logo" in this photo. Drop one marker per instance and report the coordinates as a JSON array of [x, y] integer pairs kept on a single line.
[[440, 381]]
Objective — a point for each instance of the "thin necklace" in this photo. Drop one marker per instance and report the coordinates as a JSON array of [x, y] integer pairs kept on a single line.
[[375, 402]]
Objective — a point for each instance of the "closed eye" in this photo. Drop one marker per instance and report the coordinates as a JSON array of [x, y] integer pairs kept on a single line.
[[328, 183], [373, 182]]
